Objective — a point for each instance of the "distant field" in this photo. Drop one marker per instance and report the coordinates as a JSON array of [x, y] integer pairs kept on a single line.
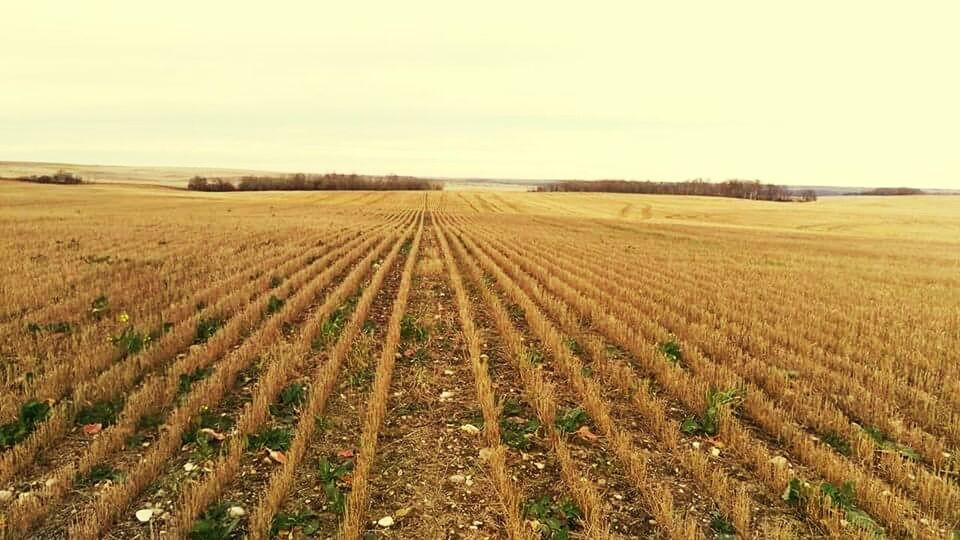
[[477, 364]]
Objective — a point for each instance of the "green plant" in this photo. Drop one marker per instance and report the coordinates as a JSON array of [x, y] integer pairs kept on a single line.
[[722, 528], [516, 312], [334, 324], [795, 493], [31, 413], [187, 380], [103, 412], [570, 420], [99, 307], [515, 429], [206, 328], [131, 341], [274, 438], [306, 519], [321, 423], [887, 444], [405, 246], [837, 442], [361, 377], [845, 499], [99, 473], [709, 422], [555, 518], [330, 475], [291, 397], [275, 281], [573, 345], [534, 356], [411, 331], [274, 304], [215, 524], [670, 349]]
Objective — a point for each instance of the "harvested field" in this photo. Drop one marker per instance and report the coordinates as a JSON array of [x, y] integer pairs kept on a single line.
[[468, 364]]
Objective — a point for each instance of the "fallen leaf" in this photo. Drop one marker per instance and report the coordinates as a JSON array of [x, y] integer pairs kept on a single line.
[[587, 435], [214, 434], [92, 429], [277, 456], [345, 453]]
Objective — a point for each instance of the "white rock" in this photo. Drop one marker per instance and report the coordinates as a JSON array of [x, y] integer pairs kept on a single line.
[[470, 428], [714, 451], [144, 515], [6, 495], [696, 444], [457, 478], [189, 467], [446, 394], [448, 372], [778, 461], [539, 466], [236, 511], [385, 521]]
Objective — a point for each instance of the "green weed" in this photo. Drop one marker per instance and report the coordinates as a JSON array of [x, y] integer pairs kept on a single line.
[[709, 422]]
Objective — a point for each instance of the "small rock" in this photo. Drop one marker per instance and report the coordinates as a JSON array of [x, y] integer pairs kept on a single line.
[[714, 451], [457, 478], [144, 515], [385, 521], [448, 372], [696, 444], [236, 511], [778, 461], [446, 394], [470, 428], [539, 466], [6, 495], [189, 467], [618, 496]]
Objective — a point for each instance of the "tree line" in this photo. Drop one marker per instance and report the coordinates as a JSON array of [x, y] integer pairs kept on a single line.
[[740, 189], [60, 177], [315, 182]]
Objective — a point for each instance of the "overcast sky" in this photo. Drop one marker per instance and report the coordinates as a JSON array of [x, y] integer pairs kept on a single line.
[[843, 93]]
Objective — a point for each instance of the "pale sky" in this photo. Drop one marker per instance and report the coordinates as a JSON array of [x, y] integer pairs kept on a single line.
[[839, 92]]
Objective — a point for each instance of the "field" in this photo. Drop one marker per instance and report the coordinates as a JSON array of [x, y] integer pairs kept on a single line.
[[476, 364]]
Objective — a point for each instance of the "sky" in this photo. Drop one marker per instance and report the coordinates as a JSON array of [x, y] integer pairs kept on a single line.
[[852, 93]]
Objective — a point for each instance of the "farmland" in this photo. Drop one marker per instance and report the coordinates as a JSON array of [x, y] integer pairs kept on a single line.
[[476, 364]]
